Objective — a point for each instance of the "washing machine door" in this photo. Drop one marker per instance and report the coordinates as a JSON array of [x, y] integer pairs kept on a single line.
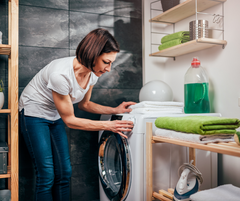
[[114, 162]]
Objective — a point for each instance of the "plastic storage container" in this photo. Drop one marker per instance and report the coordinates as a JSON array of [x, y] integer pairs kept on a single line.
[[5, 195], [196, 98], [3, 157]]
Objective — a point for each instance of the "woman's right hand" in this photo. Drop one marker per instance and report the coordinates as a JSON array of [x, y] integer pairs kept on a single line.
[[119, 126]]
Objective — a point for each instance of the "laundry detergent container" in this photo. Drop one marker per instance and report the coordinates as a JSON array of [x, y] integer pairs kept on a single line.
[[196, 98]]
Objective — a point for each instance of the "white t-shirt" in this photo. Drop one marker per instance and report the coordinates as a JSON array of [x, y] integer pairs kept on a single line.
[[36, 98]]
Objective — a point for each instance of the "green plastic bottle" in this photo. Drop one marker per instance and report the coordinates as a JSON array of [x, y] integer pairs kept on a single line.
[[196, 98]]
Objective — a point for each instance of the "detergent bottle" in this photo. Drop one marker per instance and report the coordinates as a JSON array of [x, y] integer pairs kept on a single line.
[[196, 98]]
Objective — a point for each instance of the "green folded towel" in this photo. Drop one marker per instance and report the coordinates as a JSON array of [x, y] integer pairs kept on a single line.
[[172, 43], [177, 35], [203, 125]]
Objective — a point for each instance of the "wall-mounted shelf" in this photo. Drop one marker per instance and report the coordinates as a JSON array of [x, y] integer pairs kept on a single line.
[[5, 49], [180, 12], [184, 10], [188, 47]]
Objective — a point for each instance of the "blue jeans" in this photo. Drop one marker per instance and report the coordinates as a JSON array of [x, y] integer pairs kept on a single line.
[[47, 144]]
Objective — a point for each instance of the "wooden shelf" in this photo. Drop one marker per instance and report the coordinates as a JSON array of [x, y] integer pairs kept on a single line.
[[5, 49], [160, 197], [5, 111], [8, 175], [229, 148], [184, 10], [4, 176], [188, 47]]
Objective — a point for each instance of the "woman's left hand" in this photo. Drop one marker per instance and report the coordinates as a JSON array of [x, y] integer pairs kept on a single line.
[[123, 107]]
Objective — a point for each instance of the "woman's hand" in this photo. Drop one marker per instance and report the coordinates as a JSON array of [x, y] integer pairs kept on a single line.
[[123, 107], [119, 126]]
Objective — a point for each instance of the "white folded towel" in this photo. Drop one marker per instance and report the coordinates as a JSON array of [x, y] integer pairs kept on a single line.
[[156, 104], [226, 192], [163, 110], [202, 139]]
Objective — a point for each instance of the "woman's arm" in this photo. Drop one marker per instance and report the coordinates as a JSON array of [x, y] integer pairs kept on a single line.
[[92, 107], [65, 108]]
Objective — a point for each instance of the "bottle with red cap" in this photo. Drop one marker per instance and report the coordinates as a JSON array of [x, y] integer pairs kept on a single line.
[[196, 98]]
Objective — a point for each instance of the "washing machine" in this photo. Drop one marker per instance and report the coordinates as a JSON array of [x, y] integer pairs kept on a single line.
[[120, 162], [122, 167]]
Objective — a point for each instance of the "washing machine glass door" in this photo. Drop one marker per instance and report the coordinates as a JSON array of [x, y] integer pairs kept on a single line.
[[114, 162]]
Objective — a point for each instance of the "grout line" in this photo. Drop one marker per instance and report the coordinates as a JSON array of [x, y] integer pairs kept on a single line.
[[43, 47]]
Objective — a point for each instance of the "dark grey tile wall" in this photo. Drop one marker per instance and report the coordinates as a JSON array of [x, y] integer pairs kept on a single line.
[[50, 29], [33, 58]]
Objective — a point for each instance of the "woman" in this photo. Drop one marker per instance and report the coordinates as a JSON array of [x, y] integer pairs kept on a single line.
[[47, 103]]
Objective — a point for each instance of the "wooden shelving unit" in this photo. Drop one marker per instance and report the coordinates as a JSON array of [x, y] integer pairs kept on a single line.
[[12, 51], [178, 13], [188, 47], [230, 148], [184, 10]]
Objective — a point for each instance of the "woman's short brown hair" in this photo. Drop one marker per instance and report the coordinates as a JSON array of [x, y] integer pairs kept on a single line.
[[94, 44]]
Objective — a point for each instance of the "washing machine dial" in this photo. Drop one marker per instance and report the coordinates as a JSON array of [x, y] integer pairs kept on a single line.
[[129, 133], [132, 119]]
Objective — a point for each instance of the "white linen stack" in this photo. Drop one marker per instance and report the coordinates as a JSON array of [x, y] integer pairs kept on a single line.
[[202, 139], [153, 107], [221, 193]]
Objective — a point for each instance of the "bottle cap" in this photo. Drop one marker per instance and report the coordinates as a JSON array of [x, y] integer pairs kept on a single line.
[[195, 62]]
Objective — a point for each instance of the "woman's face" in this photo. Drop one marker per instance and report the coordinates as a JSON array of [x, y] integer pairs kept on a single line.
[[103, 63]]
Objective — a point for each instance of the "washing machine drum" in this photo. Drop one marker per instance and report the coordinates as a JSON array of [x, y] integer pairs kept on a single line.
[[114, 162]]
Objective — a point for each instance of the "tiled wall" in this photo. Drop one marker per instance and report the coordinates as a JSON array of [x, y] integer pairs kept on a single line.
[[50, 29]]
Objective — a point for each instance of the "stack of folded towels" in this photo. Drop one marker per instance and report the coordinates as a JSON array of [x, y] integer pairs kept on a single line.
[[199, 129], [153, 107], [174, 39]]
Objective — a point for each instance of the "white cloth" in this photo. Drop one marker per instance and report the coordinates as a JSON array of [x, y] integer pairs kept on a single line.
[[36, 98], [157, 104], [155, 107], [157, 110], [226, 192], [202, 139]]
